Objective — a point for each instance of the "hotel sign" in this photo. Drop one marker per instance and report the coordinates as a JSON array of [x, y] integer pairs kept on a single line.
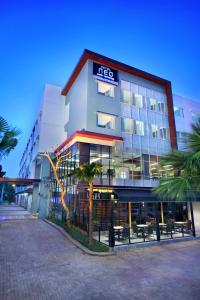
[[105, 74]]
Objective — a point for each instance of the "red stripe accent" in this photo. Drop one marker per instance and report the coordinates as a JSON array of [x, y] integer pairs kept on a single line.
[[89, 135]]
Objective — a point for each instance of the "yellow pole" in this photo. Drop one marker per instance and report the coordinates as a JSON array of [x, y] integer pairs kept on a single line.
[[162, 213], [129, 218]]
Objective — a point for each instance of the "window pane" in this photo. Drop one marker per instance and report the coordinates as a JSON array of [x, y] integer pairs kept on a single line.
[[126, 96], [195, 117], [105, 121], [154, 130], [105, 89], [139, 128], [161, 107], [139, 100], [152, 104], [178, 111], [137, 167], [163, 133], [127, 125]]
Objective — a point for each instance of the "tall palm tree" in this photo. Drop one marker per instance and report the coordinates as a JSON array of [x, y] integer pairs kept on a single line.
[[185, 182], [8, 137], [87, 172]]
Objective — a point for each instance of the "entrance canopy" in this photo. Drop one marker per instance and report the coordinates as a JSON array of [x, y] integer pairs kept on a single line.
[[19, 181]]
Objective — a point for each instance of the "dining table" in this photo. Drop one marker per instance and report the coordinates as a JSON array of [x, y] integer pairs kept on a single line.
[[142, 225], [180, 225], [118, 230]]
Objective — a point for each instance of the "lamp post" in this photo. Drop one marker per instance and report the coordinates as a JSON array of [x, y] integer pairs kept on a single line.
[[111, 230]]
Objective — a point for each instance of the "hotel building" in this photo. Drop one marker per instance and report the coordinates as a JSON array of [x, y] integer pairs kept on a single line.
[[124, 119]]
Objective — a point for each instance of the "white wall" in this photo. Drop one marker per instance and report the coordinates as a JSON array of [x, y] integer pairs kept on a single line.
[[77, 97], [53, 118], [48, 129]]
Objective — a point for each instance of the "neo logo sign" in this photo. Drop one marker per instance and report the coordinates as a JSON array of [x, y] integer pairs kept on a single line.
[[104, 73]]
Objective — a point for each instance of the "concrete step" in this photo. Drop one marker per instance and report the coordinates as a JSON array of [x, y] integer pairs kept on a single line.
[[14, 212]]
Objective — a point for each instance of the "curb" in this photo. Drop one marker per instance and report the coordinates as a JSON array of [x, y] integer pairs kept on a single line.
[[78, 244]]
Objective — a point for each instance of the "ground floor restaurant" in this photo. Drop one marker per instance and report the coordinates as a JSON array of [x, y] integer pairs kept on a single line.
[[118, 221]]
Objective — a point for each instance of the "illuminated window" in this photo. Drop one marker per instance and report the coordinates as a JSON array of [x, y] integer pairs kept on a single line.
[[126, 96], [105, 89], [152, 104], [105, 121], [154, 130], [178, 112], [139, 127], [161, 107], [139, 101], [163, 133], [127, 125]]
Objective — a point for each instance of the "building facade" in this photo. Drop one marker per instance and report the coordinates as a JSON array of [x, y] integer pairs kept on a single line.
[[124, 119], [47, 133]]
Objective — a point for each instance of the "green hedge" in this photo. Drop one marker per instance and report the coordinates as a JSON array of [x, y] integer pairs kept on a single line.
[[81, 236]]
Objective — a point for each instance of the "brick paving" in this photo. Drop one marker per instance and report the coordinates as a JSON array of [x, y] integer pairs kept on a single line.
[[37, 262]]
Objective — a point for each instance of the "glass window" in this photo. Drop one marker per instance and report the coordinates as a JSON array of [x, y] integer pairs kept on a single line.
[[127, 125], [178, 111], [139, 100], [126, 96], [163, 133], [195, 117], [154, 130], [137, 167], [105, 121], [154, 167], [152, 104], [161, 107], [139, 127], [105, 88]]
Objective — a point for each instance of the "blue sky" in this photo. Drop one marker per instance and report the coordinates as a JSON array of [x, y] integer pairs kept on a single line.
[[41, 41]]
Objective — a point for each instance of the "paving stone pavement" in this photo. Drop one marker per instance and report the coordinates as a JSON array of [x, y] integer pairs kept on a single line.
[[38, 262]]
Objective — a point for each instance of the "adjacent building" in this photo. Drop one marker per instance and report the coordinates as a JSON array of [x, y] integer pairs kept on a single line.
[[47, 133]]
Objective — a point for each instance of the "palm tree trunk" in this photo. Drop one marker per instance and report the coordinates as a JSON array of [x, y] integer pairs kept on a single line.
[[90, 231]]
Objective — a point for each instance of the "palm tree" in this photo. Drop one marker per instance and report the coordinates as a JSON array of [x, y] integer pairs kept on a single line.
[[87, 172], [185, 182], [8, 137]]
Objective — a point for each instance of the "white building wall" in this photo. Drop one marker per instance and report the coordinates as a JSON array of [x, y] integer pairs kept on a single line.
[[48, 130], [53, 116], [76, 103], [190, 109]]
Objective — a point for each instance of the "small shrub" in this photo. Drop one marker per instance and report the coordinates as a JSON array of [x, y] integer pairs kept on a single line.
[[80, 236]]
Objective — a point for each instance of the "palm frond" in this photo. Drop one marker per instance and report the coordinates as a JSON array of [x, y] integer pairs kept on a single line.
[[9, 140], [175, 188], [194, 137], [87, 172], [3, 125]]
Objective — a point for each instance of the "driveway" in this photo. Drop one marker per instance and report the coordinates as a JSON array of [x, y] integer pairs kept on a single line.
[[37, 262]]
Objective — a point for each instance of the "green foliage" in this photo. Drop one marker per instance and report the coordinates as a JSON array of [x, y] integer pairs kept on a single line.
[[81, 236], [8, 137], [185, 184], [9, 192], [86, 172]]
